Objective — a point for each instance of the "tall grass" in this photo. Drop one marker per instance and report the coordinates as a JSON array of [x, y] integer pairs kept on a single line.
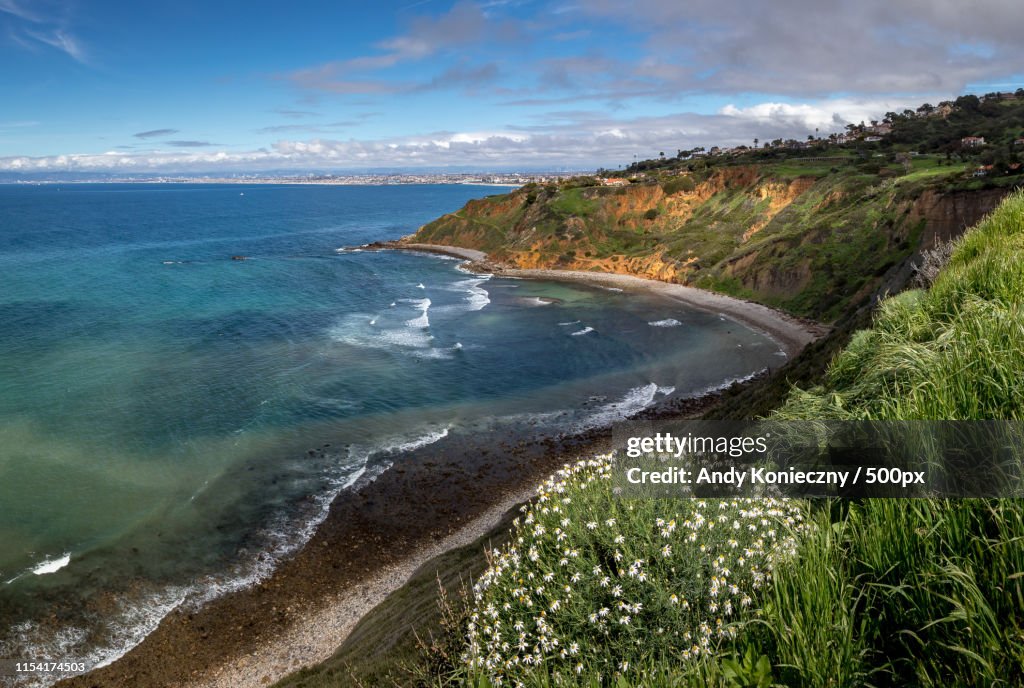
[[918, 592]]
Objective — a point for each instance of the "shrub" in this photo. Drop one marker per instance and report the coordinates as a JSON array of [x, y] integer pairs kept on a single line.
[[651, 214], [677, 184], [593, 585]]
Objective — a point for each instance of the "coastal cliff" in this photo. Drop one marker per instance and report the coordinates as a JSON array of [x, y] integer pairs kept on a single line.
[[808, 244]]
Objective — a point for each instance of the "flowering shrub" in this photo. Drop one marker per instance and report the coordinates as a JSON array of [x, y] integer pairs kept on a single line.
[[593, 586]]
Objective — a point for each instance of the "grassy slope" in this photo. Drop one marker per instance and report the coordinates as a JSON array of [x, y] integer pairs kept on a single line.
[[925, 592], [887, 592]]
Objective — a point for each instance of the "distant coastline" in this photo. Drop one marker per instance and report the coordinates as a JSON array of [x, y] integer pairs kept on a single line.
[[504, 180]]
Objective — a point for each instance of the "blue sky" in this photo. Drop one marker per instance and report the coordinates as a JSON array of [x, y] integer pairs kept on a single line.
[[492, 84]]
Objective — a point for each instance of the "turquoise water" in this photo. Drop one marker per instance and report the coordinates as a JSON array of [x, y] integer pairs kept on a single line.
[[158, 399]]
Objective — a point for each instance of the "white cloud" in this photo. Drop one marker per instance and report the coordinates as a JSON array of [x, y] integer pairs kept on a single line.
[[35, 27], [61, 40], [14, 8], [584, 139], [825, 115]]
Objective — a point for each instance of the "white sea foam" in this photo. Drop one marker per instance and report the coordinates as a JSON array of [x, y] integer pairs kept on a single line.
[[134, 618], [285, 536], [423, 321], [422, 441], [585, 330], [134, 623], [726, 384], [477, 297], [634, 401], [433, 353], [46, 566], [63, 643], [356, 330], [668, 322], [402, 338], [52, 565], [572, 420], [566, 324], [535, 301], [409, 337], [129, 623], [420, 286]]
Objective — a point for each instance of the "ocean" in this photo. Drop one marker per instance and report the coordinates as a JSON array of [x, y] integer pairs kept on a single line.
[[173, 421]]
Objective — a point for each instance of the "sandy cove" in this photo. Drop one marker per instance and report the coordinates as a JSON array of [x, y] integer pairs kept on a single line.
[[790, 333], [377, 536]]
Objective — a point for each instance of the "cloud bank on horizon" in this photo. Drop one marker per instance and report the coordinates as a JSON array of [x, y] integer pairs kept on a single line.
[[492, 84]]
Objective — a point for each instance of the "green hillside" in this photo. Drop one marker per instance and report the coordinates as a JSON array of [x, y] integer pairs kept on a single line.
[[811, 228], [880, 592]]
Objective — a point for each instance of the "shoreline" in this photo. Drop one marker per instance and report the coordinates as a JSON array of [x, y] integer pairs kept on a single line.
[[377, 536], [790, 333]]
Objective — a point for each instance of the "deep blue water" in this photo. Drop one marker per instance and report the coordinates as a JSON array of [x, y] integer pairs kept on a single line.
[[157, 397]]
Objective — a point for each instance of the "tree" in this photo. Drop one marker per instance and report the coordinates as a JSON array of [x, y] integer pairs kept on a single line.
[[755, 142], [970, 103]]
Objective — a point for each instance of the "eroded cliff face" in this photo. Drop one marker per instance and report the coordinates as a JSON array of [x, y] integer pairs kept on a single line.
[[946, 216], [808, 245]]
